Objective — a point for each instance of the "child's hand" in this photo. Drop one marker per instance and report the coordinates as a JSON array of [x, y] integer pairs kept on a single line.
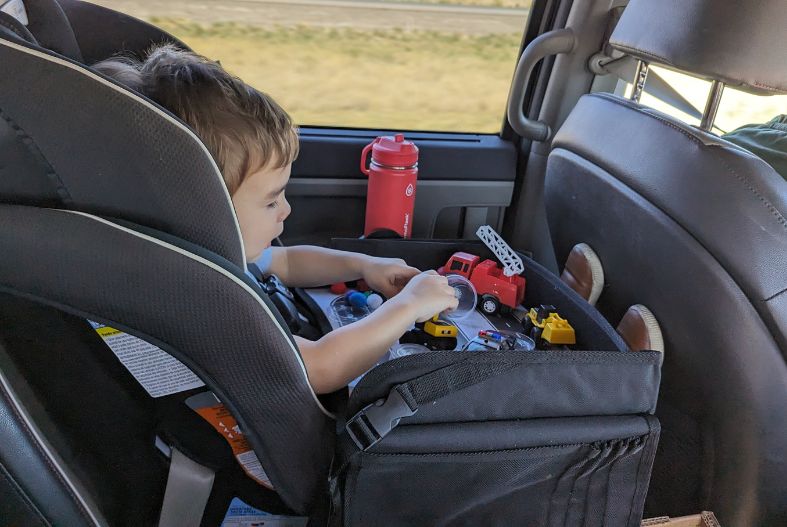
[[387, 275], [428, 294]]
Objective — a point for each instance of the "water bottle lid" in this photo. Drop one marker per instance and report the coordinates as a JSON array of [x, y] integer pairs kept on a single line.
[[394, 151]]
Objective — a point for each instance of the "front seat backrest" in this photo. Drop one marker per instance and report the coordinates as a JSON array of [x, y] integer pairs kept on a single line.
[[694, 227], [113, 210]]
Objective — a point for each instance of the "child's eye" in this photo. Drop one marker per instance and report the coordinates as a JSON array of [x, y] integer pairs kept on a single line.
[[273, 205]]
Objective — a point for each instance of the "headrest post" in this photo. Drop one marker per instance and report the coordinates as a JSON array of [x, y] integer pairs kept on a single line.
[[712, 105], [640, 78]]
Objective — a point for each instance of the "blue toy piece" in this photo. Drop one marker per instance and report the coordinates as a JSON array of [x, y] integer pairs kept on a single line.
[[356, 299]]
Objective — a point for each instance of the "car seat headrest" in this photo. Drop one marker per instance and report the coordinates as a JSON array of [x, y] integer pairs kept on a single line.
[[103, 33], [738, 43], [49, 26], [73, 139]]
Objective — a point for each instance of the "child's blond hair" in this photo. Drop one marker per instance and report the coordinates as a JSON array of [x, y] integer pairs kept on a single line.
[[245, 130]]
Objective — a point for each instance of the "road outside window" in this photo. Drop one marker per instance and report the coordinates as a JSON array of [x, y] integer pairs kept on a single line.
[[440, 65]]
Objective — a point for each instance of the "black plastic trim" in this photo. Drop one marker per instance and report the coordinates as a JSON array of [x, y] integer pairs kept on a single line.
[[336, 153]]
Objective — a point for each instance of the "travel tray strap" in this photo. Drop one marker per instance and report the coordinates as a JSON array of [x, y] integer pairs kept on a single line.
[[375, 421]]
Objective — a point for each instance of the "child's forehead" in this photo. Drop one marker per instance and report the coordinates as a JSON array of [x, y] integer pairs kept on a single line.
[[270, 178]]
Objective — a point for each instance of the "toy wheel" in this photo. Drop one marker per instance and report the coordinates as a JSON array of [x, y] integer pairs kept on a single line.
[[489, 304], [535, 334], [446, 344]]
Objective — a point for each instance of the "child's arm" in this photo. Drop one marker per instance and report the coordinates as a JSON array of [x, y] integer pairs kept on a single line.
[[344, 354], [308, 266]]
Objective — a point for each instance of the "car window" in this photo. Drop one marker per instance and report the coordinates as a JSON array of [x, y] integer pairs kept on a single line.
[[456, 265], [736, 109], [439, 65]]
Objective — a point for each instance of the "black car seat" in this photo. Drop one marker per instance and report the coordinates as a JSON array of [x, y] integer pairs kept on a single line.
[[48, 24], [696, 229], [112, 210]]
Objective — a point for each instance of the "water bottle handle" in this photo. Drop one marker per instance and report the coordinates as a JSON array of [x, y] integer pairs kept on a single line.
[[365, 156]]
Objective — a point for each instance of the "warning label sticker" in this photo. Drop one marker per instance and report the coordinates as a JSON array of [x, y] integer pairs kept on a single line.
[[158, 372], [213, 411], [241, 514]]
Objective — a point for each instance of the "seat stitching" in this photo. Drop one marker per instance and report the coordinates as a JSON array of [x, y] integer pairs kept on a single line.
[[599, 163], [665, 60], [747, 183], [645, 110], [743, 179], [13, 28], [626, 47], [27, 140]]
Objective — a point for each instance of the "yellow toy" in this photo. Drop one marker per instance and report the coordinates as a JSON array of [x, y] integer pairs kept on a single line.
[[545, 323], [440, 328]]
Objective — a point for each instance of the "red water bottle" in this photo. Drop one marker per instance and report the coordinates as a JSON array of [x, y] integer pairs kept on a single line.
[[390, 197]]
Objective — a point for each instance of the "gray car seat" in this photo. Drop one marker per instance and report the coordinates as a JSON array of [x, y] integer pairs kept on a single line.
[[84, 32], [130, 226], [694, 227]]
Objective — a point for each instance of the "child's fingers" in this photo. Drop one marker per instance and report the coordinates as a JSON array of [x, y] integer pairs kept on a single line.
[[402, 275], [410, 271], [453, 301]]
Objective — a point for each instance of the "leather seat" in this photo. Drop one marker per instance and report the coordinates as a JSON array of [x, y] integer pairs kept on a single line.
[[695, 228]]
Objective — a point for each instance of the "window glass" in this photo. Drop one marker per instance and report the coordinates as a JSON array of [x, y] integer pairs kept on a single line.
[[456, 265], [737, 108], [440, 65]]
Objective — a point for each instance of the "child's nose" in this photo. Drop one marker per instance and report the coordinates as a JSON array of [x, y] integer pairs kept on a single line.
[[285, 210]]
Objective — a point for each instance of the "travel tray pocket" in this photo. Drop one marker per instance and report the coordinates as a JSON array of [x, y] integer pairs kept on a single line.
[[507, 438], [505, 473]]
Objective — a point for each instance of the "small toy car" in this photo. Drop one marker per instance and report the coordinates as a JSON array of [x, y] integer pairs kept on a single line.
[[435, 343], [500, 340], [547, 328], [440, 328], [495, 290], [498, 287]]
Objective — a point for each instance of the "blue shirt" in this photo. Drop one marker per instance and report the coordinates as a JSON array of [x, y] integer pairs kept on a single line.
[[263, 262]]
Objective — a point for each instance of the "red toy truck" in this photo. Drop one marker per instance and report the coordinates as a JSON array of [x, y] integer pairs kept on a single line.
[[494, 288]]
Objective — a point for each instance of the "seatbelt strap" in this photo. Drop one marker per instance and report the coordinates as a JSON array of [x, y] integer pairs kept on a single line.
[[370, 425], [188, 489]]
